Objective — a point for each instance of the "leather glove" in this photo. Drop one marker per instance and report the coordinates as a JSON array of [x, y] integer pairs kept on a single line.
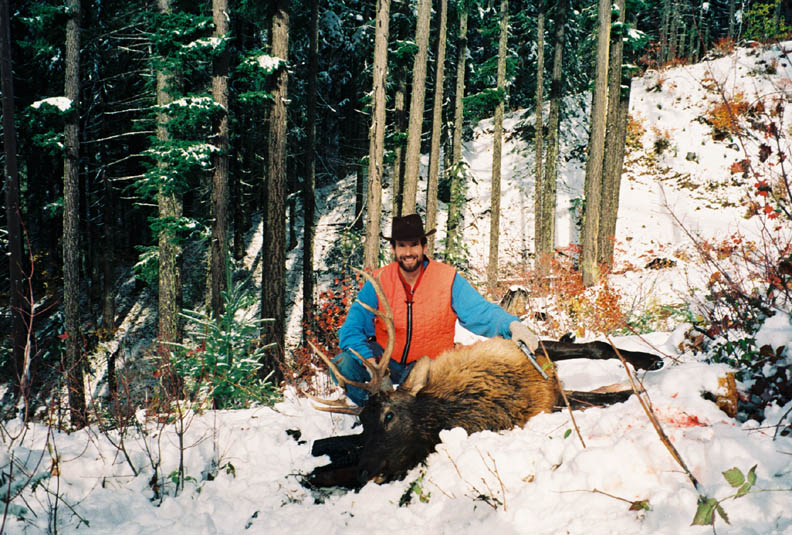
[[521, 333]]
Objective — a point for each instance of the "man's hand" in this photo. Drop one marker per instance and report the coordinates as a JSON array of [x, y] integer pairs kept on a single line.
[[521, 333]]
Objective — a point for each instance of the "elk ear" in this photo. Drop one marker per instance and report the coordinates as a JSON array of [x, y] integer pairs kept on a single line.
[[419, 376]]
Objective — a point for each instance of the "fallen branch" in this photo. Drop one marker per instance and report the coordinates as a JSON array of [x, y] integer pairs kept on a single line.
[[652, 418]]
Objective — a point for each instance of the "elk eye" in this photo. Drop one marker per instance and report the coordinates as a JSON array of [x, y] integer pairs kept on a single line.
[[388, 417]]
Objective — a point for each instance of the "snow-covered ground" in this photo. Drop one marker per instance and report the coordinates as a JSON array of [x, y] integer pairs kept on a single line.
[[244, 468]]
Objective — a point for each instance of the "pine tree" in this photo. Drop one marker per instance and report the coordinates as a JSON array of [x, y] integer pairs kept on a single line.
[[457, 176], [310, 173], [596, 148], [497, 148], [75, 381], [220, 184], [273, 290], [415, 130], [17, 367], [618, 108], [377, 136], [541, 242], [437, 127]]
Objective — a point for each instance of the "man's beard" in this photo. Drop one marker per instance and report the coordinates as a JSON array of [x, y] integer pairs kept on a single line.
[[410, 269]]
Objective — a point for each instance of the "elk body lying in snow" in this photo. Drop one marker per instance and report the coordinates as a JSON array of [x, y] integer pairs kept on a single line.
[[488, 385]]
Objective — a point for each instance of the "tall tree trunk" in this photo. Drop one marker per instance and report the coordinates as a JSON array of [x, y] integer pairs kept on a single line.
[[170, 207], [618, 107], [18, 367], [220, 232], [109, 238], [541, 246], [377, 136], [273, 287], [456, 203], [310, 174], [553, 130], [665, 28], [497, 149], [414, 130], [596, 148], [673, 31], [437, 128], [74, 365], [400, 125], [731, 18]]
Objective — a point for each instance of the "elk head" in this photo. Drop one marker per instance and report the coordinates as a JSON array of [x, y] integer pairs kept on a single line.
[[393, 441]]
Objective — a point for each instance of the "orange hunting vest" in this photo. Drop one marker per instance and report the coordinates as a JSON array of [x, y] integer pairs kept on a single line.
[[424, 324]]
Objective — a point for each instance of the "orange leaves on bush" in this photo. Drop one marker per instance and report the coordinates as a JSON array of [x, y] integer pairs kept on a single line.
[[321, 329], [724, 46], [740, 166], [724, 115], [567, 305]]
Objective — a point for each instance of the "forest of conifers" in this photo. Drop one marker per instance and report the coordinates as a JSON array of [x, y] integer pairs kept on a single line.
[[134, 129]]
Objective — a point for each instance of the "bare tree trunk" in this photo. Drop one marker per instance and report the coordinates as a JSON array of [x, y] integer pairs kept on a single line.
[[17, 368], [596, 148], [170, 207], [673, 30], [310, 174], [731, 18], [108, 255], [220, 233], [665, 25], [400, 124], [618, 107], [377, 136], [497, 149], [414, 130], [455, 206], [273, 297], [553, 125], [542, 245], [437, 128], [74, 365]]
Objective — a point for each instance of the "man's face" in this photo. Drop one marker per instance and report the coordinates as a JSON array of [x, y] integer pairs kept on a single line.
[[409, 254]]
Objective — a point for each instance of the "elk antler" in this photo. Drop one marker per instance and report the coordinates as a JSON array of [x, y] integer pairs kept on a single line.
[[377, 371]]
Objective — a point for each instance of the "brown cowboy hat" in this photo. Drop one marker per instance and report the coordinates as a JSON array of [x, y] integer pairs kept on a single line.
[[409, 227]]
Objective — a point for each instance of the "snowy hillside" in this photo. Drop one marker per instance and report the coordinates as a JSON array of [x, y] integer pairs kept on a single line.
[[244, 469]]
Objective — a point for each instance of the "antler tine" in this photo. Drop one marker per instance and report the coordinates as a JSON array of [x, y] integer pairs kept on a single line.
[[342, 381], [387, 316], [336, 406], [377, 371]]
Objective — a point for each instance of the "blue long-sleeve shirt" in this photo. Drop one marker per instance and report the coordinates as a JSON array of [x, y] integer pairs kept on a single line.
[[474, 313]]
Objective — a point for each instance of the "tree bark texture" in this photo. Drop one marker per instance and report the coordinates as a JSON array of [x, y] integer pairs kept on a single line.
[[377, 136], [73, 364], [497, 150], [618, 107], [18, 366], [170, 207], [437, 128], [456, 204], [540, 241], [414, 130], [310, 173], [550, 176], [596, 149], [220, 183], [400, 125], [273, 298]]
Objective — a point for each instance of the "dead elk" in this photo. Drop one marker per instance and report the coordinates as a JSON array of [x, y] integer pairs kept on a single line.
[[488, 385]]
